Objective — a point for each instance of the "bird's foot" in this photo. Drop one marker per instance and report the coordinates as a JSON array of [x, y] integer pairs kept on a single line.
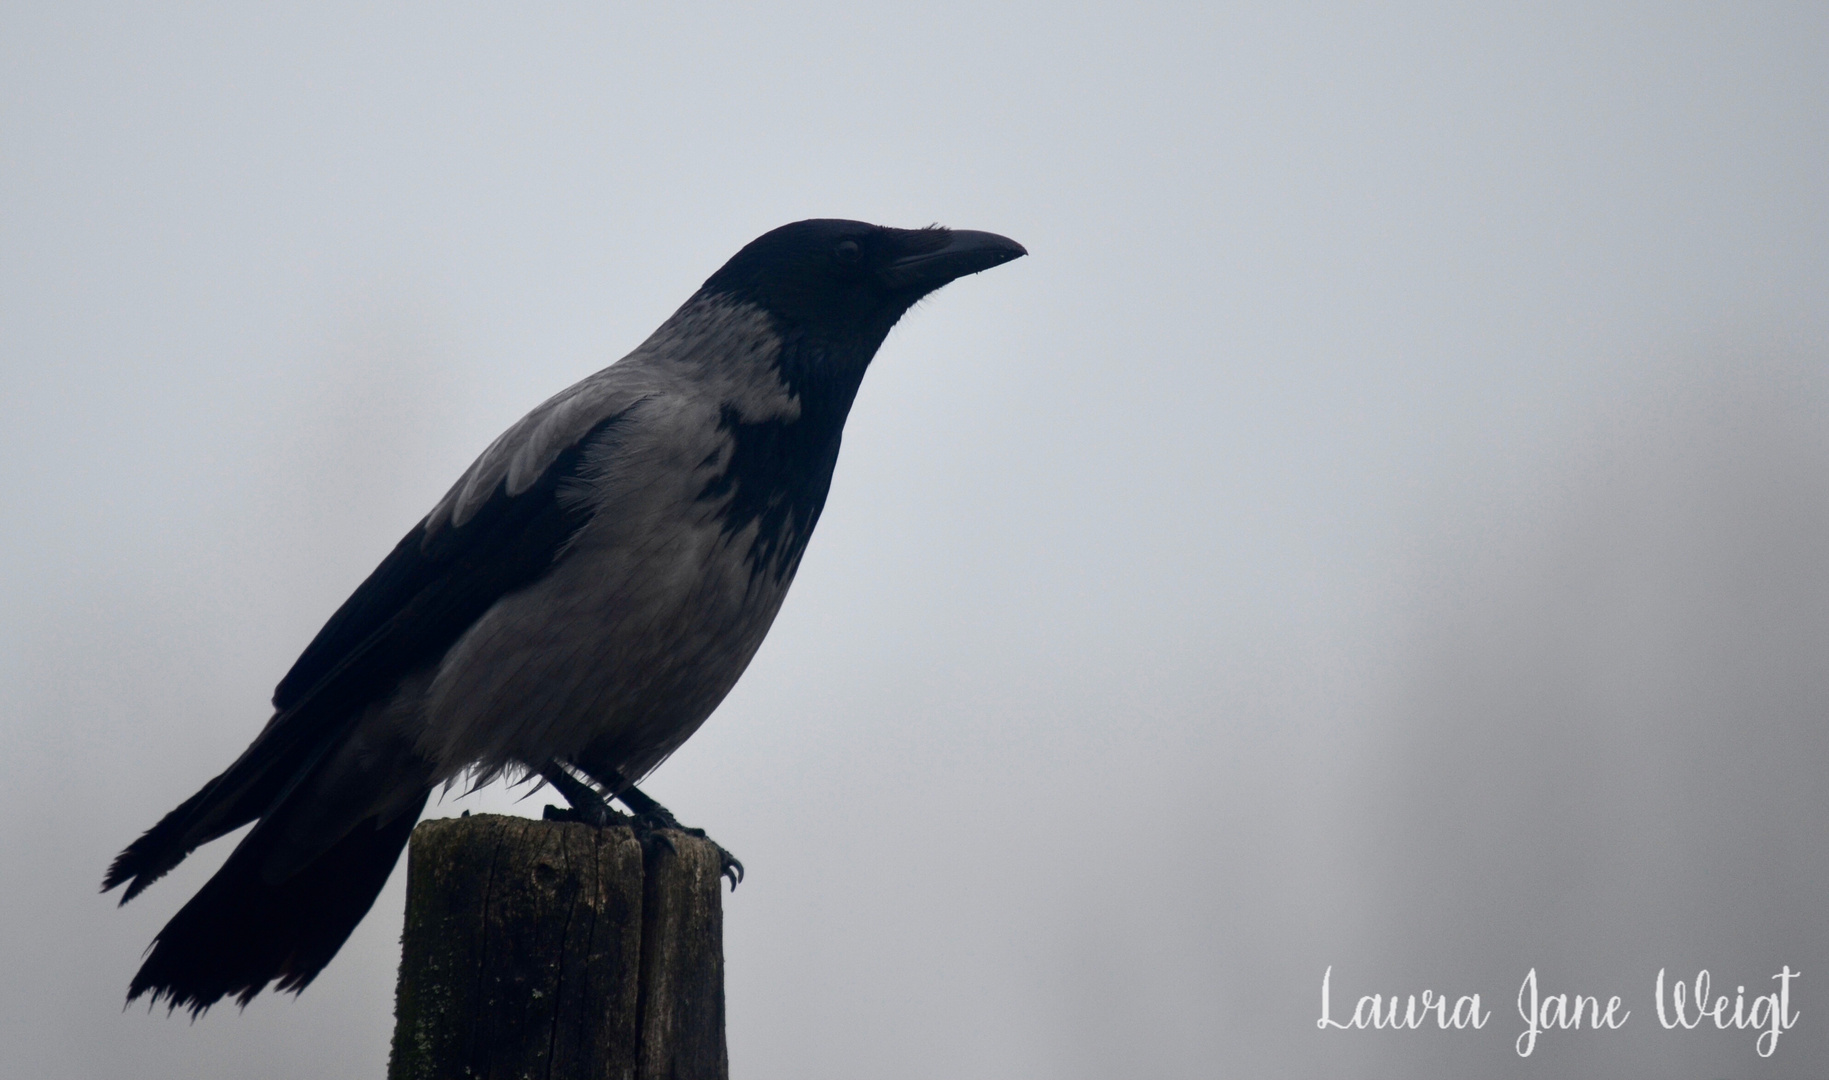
[[589, 815], [652, 829], [587, 805], [729, 866], [652, 820]]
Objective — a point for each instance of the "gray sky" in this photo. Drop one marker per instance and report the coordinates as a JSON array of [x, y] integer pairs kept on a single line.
[[1381, 525]]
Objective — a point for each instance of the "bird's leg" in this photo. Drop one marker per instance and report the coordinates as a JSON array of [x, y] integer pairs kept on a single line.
[[653, 817], [587, 804]]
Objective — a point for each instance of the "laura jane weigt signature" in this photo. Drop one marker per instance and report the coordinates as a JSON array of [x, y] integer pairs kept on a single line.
[[1681, 1005]]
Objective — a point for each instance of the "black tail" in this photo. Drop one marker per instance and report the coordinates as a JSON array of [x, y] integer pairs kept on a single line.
[[292, 743], [225, 804], [242, 931], [334, 812]]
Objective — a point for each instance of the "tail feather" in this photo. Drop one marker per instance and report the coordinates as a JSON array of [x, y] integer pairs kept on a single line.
[[265, 773], [241, 932], [198, 820]]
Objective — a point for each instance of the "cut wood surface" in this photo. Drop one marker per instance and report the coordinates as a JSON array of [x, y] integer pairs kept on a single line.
[[557, 950]]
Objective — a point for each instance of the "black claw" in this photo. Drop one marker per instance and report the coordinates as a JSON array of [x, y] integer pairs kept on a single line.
[[652, 829], [652, 820], [652, 835]]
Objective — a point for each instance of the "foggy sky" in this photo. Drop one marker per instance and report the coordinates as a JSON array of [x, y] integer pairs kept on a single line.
[[1381, 526]]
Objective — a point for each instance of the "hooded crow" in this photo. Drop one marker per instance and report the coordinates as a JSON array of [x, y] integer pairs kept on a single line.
[[573, 608]]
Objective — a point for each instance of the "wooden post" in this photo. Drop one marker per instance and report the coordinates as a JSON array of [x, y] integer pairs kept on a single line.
[[556, 950]]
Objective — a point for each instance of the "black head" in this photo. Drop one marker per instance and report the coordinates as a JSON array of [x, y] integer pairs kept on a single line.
[[849, 280], [833, 289]]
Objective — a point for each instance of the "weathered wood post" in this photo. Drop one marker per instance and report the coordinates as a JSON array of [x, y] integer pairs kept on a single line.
[[557, 950]]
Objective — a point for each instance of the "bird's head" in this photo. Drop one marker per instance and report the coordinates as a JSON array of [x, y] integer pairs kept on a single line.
[[849, 281]]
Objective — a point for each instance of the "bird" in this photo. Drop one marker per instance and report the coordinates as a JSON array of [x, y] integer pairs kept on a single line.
[[571, 611]]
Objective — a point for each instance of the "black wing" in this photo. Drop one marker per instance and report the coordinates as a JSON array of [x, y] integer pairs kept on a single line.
[[424, 595], [408, 613]]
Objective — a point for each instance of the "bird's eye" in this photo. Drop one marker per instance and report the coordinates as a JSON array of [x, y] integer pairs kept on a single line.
[[847, 252]]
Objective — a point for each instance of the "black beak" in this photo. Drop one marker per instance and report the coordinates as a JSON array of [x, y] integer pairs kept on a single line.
[[965, 252]]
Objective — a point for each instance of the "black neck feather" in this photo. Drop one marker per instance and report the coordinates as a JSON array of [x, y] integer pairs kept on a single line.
[[779, 471]]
